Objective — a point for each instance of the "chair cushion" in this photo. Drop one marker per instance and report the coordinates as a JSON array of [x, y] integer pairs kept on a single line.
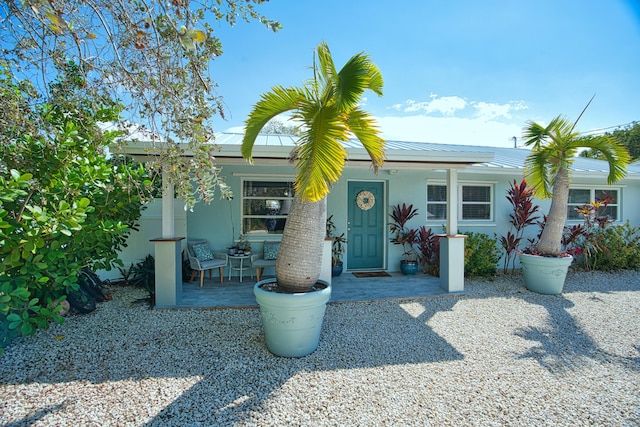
[[202, 251], [212, 263], [270, 250]]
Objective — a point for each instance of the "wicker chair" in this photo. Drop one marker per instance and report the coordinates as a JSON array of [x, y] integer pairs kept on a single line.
[[202, 259]]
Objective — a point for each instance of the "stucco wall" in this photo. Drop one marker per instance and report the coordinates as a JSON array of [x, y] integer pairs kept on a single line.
[[219, 222]]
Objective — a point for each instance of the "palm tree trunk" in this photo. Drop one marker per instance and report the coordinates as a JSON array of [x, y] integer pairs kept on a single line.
[[299, 260], [551, 238]]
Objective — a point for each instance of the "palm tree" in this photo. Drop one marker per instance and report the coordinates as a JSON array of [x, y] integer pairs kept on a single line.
[[328, 107], [547, 170]]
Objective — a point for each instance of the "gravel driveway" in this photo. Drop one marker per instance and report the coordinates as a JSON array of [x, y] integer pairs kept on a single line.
[[497, 355]]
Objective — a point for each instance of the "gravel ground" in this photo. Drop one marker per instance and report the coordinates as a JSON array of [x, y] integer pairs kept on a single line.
[[497, 355]]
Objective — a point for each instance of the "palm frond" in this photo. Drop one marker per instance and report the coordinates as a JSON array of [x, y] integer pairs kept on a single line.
[[364, 128], [321, 155], [538, 173], [271, 104], [357, 75], [613, 152]]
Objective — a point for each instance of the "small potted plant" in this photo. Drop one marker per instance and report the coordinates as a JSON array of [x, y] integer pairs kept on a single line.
[[548, 171], [337, 247], [405, 236], [244, 246]]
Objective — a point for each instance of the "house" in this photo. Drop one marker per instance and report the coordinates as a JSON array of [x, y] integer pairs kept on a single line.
[[455, 188]]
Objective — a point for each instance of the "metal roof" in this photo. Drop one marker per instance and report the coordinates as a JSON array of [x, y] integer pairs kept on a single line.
[[406, 154]]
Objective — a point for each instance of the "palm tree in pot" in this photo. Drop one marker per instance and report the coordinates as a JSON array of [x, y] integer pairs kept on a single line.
[[548, 171], [328, 108]]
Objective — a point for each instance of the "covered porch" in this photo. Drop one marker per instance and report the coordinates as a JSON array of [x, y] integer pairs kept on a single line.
[[406, 167], [345, 288]]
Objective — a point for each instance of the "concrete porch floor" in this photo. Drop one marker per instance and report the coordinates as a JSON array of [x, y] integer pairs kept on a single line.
[[346, 287]]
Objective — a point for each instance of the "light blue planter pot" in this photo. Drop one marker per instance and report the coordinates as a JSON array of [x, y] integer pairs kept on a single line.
[[292, 322], [545, 275]]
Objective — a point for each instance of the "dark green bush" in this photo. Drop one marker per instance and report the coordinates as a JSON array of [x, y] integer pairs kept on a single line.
[[481, 255], [619, 248]]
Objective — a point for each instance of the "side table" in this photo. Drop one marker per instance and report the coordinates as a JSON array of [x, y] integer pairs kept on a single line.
[[239, 267]]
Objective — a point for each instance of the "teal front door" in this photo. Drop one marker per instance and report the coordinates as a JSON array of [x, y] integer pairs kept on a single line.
[[365, 226]]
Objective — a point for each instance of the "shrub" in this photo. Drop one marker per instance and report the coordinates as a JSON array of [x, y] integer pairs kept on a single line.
[[63, 204], [619, 248], [481, 255]]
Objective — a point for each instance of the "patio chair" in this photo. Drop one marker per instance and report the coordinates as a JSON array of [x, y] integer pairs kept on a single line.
[[268, 258], [202, 259]]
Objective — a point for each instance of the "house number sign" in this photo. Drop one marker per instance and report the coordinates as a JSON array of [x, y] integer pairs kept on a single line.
[[365, 200]]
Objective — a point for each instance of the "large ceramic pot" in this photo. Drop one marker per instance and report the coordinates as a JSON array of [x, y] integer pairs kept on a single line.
[[545, 275], [292, 322], [409, 267]]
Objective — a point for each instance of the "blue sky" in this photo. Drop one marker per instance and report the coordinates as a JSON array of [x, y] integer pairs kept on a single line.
[[460, 72]]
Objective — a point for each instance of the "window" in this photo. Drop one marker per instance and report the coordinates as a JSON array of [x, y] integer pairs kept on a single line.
[[578, 197], [475, 202], [436, 202], [265, 206]]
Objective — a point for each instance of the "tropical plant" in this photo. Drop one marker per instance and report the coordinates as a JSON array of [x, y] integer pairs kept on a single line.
[[524, 214], [547, 171], [328, 106], [403, 235], [429, 250], [337, 242]]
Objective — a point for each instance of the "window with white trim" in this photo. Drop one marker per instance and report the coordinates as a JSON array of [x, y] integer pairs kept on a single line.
[[475, 202], [265, 206], [436, 202], [578, 197]]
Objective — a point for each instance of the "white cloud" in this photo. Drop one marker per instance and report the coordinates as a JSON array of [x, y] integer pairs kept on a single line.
[[454, 120], [446, 105], [490, 110], [449, 130]]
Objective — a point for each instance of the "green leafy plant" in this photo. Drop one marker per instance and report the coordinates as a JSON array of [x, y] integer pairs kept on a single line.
[[154, 54], [481, 255], [63, 205], [620, 248], [337, 242]]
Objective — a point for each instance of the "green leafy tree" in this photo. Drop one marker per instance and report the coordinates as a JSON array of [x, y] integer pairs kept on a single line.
[[63, 205], [328, 107], [547, 170], [153, 56], [628, 136]]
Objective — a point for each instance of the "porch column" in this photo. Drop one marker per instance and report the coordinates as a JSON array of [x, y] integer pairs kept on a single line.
[[168, 254], [168, 270], [452, 243], [325, 273]]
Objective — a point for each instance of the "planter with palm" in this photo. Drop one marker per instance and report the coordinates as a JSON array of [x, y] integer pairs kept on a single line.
[[328, 106], [547, 172]]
